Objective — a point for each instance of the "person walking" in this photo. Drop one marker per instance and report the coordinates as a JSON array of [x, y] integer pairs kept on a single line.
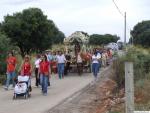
[[67, 66], [11, 67], [110, 56], [54, 64], [44, 73], [79, 63], [95, 64], [98, 52], [49, 59], [26, 70], [36, 70], [104, 58], [61, 64], [49, 56]]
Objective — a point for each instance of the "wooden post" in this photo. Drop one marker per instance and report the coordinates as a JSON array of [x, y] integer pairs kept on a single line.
[[129, 87]]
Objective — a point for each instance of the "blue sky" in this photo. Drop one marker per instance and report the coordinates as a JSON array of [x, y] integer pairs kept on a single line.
[[91, 16]]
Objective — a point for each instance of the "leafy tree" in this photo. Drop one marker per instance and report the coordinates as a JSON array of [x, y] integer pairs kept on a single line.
[[141, 34], [59, 38], [97, 39], [5, 46], [30, 30]]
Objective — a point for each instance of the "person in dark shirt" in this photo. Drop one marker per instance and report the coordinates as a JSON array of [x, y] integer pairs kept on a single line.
[[67, 66]]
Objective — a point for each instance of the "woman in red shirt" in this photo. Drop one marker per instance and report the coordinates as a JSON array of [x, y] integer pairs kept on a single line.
[[26, 69], [44, 73], [11, 67]]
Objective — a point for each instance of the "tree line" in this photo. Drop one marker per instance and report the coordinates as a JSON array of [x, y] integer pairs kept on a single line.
[[141, 34], [97, 39], [31, 31]]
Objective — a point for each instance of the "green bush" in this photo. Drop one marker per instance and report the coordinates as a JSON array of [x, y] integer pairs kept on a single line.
[[5, 46], [141, 60]]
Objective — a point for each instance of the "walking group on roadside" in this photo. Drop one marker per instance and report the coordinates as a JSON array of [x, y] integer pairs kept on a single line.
[[42, 69], [100, 58], [49, 62]]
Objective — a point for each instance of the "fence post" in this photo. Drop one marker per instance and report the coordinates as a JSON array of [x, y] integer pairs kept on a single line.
[[129, 87]]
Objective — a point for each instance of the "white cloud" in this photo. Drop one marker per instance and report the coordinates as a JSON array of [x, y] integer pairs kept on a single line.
[[17, 2]]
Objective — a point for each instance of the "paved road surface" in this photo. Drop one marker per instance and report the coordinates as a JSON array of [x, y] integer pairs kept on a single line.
[[86, 100], [59, 90]]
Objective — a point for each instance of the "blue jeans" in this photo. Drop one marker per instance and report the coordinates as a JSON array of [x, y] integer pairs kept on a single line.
[[95, 69], [61, 69], [44, 83], [99, 66], [10, 76]]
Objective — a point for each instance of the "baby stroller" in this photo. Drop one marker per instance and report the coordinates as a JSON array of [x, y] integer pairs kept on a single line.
[[22, 87]]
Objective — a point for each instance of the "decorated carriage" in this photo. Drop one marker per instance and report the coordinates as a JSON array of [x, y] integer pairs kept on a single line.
[[78, 43]]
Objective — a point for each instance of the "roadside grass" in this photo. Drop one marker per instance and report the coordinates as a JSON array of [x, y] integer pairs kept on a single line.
[[142, 94]]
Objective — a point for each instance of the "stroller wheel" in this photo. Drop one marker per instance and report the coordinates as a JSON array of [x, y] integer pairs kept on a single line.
[[25, 96], [29, 95], [14, 97]]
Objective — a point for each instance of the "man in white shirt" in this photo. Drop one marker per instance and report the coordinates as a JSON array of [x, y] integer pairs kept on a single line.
[[95, 64], [49, 56], [61, 64]]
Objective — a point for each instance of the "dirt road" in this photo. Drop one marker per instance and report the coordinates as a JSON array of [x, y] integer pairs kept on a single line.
[[101, 97], [58, 91], [89, 99]]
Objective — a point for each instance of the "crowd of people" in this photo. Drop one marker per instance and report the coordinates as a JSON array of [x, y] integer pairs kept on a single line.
[[55, 62]]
